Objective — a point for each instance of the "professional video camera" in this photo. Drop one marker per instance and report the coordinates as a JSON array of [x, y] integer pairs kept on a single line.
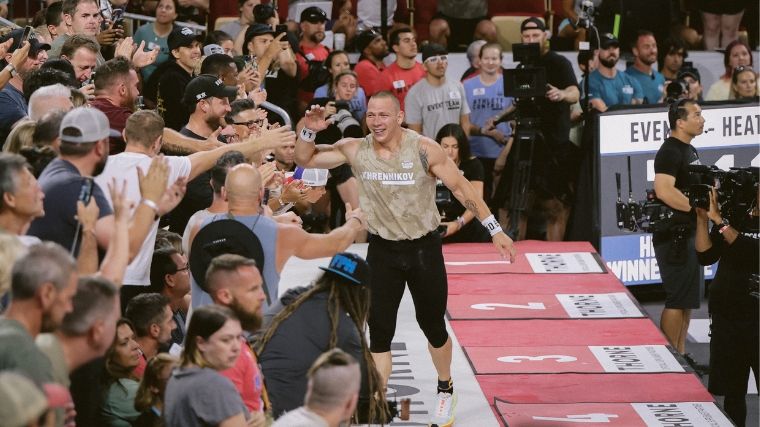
[[645, 216], [737, 193], [346, 122], [526, 83]]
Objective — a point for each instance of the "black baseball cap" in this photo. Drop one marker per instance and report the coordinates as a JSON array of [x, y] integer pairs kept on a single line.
[[257, 30], [351, 267], [34, 44], [207, 86], [365, 38], [182, 37], [433, 49], [689, 71], [313, 14], [532, 23], [606, 40]]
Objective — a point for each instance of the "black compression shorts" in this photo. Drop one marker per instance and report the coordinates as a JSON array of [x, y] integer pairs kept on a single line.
[[418, 263]]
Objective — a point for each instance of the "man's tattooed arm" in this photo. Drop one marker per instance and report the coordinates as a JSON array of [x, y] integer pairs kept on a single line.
[[472, 207], [176, 150], [424, 158]]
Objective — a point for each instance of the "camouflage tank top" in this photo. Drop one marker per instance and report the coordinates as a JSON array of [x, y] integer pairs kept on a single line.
[[396, 195]]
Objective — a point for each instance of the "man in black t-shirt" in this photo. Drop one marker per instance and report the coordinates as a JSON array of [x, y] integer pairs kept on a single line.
[[211, 101], [553, 168], [682, 277]]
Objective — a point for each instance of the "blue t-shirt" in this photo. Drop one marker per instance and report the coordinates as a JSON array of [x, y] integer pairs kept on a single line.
[[12, 109], [61, 182], [486, 102], [357, 105], [621, 89], [148, 35], [651, 85]]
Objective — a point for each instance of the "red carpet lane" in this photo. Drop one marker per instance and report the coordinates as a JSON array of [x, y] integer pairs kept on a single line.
[[559, 306], [588, 388], [538, 332], [612, 414], [521, 247], [581, 359], [532, 284]]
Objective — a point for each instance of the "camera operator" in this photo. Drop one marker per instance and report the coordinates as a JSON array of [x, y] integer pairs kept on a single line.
[[557, 174], [682, 276], [341, 184], [733, 311]]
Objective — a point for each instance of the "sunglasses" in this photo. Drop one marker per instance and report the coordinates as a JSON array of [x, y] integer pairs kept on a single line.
[[436, 59], [741, 68]]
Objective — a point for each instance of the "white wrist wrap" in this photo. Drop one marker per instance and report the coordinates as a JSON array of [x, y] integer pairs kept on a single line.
[[491, 225], [308, 135]]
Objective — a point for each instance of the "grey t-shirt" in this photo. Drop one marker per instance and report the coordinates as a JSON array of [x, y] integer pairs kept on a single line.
[[200, 397], [435, 107], [19, 352], [300, 417]]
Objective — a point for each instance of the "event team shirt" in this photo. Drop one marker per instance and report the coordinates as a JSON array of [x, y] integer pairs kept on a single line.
[[435, 107]]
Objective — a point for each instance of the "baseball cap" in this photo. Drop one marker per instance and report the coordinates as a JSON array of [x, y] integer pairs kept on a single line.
[[350, 266], [22, 400], [311, 177], [313, 14], [689, 71], [211, 49], [90, 123], [532, 24], [257, 30], [607, 39], [365, 38], [433, 49], [207, 86], [182, 37], [34, 44], [226, 236]]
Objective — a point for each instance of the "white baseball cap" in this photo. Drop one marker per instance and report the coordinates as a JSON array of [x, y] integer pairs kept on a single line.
[[311, 177]]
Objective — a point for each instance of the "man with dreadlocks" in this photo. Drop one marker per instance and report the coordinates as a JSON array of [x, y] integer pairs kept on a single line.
[[312, 320]]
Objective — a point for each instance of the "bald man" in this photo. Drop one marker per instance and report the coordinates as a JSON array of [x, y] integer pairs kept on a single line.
[[243, 192], [332, 395]]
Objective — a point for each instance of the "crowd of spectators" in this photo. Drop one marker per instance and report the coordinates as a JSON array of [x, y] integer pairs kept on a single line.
[[151, 199]]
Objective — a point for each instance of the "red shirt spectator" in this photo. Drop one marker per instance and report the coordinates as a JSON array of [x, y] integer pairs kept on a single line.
[[398, 80], [117, 118]]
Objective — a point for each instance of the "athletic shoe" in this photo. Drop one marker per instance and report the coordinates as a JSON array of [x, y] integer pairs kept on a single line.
[[443, 415]]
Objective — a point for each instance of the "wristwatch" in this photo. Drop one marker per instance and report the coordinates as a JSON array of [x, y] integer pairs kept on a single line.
[[723, 225]]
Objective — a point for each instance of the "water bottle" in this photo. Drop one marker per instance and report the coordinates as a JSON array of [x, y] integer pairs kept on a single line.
[[360, 26]]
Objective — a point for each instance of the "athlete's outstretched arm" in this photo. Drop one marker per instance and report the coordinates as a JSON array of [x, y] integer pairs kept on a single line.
[[310, 155], [439, 164]]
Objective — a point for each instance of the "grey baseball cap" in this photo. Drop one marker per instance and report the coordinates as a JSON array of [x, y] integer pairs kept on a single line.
[[86, 124]]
